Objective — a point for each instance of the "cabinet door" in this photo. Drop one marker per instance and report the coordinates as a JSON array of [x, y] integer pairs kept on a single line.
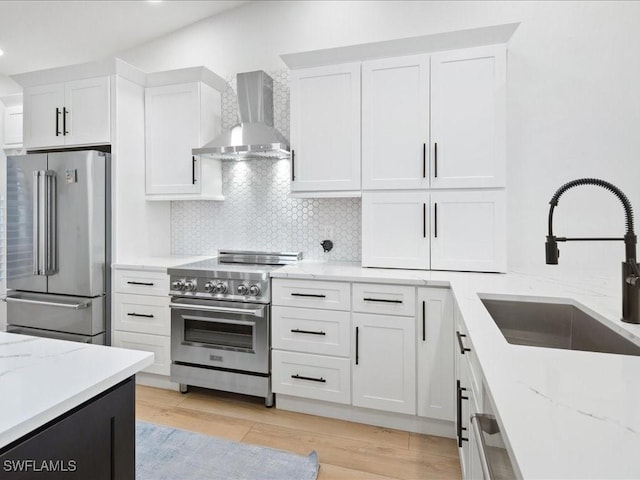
[[172, 129], [325, 128], [43, 116], [395, 229], [13, 126], [384, 364], [468, 118], [435, 354], [395, 122], [87, 119], [468, 231]]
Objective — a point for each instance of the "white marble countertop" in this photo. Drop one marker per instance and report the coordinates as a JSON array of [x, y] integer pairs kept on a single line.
[[157, 264], [42, 378], [564, 414]]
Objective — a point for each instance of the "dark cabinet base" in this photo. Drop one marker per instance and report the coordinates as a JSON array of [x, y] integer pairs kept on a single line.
[[95, 440]]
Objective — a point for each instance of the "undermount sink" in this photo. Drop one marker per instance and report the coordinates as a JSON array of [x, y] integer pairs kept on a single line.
[[555, 325]]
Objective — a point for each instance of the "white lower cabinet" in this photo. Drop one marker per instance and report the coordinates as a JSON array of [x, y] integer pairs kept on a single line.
[[312, 376], [309, 330], [435, 353], [384, 370], [469, 401], [142, 318], [386, 347], [159, 345]]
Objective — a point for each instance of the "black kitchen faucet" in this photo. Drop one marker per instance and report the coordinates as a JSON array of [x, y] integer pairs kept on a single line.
[[630, 271]]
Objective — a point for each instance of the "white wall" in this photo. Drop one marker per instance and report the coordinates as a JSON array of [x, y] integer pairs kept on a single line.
[[573, 95]]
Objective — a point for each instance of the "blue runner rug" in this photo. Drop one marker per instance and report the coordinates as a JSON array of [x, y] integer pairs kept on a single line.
[[165, 453]]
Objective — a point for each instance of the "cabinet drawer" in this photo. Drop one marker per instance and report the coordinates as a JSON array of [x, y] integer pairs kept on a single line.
[[142, 282], [312, 376], [386, 299], [160, 346], [142, 314], [311, 293], [312, 331]]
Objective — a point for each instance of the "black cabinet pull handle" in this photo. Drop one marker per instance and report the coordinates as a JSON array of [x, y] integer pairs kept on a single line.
[[145, 315], [383, 300], [311, 379], [309, 332], [435, 160], [459, 426], [435, 220], [357, 345], [293, 165], [462, 347], [64, 120], [424, 220], [193, 170], [58, 122], [424, 160], [146, 284], [424, 321], [312, 295]]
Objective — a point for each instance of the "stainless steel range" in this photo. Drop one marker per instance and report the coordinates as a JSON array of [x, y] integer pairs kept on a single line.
[[221, 321]]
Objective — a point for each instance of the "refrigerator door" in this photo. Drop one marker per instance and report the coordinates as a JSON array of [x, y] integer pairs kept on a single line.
[[25, 222], [77, 239]]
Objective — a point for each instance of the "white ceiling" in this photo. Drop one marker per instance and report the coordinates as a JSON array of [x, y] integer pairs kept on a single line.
[[36, 35]]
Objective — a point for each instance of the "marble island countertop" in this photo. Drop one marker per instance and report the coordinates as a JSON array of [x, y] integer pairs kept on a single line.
[[42, 378], [563, 413]]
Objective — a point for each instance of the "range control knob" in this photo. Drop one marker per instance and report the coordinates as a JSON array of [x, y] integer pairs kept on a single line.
[[221, 288], [242, 289], [177, 285], [254, 290], [189, 286], [209, 287]]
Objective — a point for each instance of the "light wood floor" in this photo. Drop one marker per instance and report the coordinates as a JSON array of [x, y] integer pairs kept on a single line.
[[346, 450]]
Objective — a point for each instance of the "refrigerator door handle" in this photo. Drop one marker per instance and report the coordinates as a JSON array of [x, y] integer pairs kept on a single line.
[[50, 259], [42, 223], [36, 222], [73, 306]]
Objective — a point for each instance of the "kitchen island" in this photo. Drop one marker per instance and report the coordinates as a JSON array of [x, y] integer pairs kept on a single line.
[[562, 413], [67, 408]]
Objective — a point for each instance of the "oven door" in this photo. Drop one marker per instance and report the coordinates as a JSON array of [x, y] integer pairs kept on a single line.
[[227, 335]]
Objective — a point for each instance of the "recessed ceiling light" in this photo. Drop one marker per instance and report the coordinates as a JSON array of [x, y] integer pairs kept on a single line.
[[1, 53]]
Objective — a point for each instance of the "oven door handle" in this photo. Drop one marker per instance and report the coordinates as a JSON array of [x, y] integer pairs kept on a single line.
[[258, 312]]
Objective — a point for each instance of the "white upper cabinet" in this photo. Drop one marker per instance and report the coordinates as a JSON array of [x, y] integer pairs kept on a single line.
[[468, 231], [454, 230], [13, 127], [468, 114], [395, 229], [178, 118], [67, 114], [88, 118], [395, 123], [325, 130]]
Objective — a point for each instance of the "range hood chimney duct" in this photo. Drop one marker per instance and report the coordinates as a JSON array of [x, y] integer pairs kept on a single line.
[[254, 137]]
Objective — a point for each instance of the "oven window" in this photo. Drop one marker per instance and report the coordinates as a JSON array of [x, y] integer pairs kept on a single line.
[[219, 334]]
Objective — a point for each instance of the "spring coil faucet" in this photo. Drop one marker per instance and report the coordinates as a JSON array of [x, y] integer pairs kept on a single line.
[[630, 271]]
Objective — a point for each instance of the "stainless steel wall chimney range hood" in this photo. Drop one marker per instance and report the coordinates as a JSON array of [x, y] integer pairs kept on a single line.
[[254, 137]]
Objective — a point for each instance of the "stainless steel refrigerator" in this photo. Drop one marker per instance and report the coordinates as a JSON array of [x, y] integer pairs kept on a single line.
[[58, 255]]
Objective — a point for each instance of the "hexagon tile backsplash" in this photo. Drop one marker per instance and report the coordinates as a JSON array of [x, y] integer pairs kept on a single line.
[[257, 213]]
